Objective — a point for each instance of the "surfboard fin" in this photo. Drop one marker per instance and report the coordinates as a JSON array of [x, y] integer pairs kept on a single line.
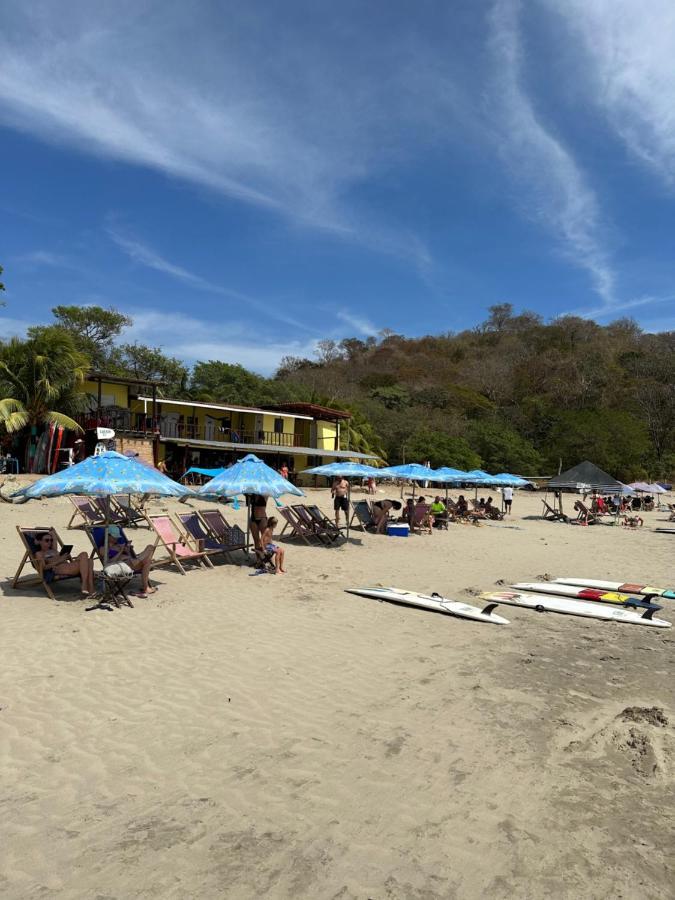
[[490, 608]]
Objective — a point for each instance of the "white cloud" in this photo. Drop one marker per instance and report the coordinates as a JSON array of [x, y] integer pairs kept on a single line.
[[555, 190], [45, 258], [604, 312], [628, 71], [360, 324], [248, 106], [12, 327]]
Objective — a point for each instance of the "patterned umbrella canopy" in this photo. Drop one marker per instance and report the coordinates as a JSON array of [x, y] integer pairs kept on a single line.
[[249, 475], [101, 476], [506, 480], [408, 472], [448, 475], [343, 469], [644, 488], [478, 476]]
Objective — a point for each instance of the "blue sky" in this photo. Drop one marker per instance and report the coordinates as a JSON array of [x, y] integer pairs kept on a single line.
[[245, 179]]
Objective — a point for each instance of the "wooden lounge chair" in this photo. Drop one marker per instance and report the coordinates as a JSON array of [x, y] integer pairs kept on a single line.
[[311, 524], [86, 509], [553, 515], [180, 547], [421, 519], [221, 531], [296, 526], [44, 577], [584, 515], [361, 511], [322, 521], [127, 511], [212, 546]]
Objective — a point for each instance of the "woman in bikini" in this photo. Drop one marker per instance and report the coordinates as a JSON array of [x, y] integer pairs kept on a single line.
[[121, 550], [63, 565], [258, 504]]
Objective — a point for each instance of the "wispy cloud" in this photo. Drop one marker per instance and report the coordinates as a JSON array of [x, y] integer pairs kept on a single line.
[[603, 312], [360, 324], [144, 255], [555, 189], [255, 111], [46, 258], [628, 71]]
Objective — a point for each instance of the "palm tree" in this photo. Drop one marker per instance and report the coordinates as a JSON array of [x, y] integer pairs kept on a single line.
[[42, 373]]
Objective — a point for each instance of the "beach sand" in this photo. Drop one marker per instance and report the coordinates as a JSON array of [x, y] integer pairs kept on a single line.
[[243, 737]]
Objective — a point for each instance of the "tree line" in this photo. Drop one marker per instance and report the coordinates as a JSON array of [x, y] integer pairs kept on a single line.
[[513, 394]]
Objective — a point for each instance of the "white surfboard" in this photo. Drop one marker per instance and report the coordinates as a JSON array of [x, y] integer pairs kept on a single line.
[[581, 593], [627, 587], [433, 602], [545, 602]]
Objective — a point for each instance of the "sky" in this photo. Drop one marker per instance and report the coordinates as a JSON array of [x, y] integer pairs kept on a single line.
[[245, 179]]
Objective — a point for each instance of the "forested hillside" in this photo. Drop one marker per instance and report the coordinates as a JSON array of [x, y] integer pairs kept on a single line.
[[514, 394]]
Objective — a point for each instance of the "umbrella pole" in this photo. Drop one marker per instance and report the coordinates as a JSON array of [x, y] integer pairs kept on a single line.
[[349, 504], [106, 537]]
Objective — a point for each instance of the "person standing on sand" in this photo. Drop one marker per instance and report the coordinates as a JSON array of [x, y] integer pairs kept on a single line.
[[258, 505], [340, 492], [507, 494], [283, 471]]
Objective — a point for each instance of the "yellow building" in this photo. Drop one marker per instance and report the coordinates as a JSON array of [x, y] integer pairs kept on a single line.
[[188, 434]]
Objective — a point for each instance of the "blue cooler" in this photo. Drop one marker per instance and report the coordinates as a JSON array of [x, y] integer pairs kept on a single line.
[[398, 529]]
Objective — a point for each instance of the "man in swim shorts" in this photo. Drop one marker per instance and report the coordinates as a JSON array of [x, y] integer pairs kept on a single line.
[[340, 492]]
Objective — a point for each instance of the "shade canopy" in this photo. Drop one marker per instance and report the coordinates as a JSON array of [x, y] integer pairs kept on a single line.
[[408, 472], [343, 470], [644, 487], [448, 475], [505, 479], [101, 476], [249, 475], [586, 476], [478, 476], [208, 473]]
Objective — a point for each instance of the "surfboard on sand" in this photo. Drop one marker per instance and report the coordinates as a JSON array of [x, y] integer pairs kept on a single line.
[[546, 602], [433, 602], [625, 587], [578, 593]]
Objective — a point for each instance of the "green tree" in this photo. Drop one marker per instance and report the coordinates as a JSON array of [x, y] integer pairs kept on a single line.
[[502, 449], [138, 361], [216, 381], [440, 450], [93, 329], [39, 380]]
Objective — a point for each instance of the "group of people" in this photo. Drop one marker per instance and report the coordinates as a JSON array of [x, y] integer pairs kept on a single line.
[[62, 564]]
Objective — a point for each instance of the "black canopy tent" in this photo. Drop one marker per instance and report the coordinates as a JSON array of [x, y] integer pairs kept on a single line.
[[585, 476]]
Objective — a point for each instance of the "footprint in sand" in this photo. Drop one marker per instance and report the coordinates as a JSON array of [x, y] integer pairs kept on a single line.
[[639, 740]]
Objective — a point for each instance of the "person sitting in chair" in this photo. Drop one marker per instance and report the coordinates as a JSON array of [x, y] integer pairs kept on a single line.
[[272, 550], [63, 564], [121, 550], [439, 512]]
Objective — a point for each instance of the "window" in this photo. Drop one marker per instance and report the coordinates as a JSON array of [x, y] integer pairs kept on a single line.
[[278, 426]]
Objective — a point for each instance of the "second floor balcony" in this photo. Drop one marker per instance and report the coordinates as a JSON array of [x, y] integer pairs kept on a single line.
[[123, 421]]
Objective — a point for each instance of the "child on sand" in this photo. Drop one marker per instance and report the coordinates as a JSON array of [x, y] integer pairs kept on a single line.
[[269, 546]]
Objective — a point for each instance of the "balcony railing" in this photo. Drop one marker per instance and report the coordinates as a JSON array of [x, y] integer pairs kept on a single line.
[[125, 422]]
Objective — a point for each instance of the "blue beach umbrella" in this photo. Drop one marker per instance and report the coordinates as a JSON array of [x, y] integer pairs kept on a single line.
[[101, 476], [409, 472], [249, 475], [345, 470]]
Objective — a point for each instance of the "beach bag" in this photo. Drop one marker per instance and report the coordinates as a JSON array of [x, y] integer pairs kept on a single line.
[[118, 570]]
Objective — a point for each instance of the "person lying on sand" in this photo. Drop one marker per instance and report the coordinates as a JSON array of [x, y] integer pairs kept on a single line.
[[64, 564], [278, 553]]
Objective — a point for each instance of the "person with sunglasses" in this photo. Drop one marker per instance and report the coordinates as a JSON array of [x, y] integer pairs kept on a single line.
[[61, 564]]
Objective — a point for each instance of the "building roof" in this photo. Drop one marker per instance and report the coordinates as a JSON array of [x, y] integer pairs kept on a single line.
[[313, 410], [267, 448], [121, 379], [586, 475], [189, 404]]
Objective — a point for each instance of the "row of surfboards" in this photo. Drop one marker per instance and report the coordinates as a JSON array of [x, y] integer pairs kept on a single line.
[[609, 600]]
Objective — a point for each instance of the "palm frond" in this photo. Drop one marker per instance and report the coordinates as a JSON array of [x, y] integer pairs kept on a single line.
[[57, 418], [13, 414]]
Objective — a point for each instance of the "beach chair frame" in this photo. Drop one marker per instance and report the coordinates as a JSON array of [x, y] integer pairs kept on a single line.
[[362, 512], [197, 528], [87, 509], [38, 578], [220, 530], [298, 527], [193, 553]]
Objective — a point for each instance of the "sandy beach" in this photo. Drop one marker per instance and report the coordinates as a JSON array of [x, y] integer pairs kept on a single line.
[[241, 737]]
